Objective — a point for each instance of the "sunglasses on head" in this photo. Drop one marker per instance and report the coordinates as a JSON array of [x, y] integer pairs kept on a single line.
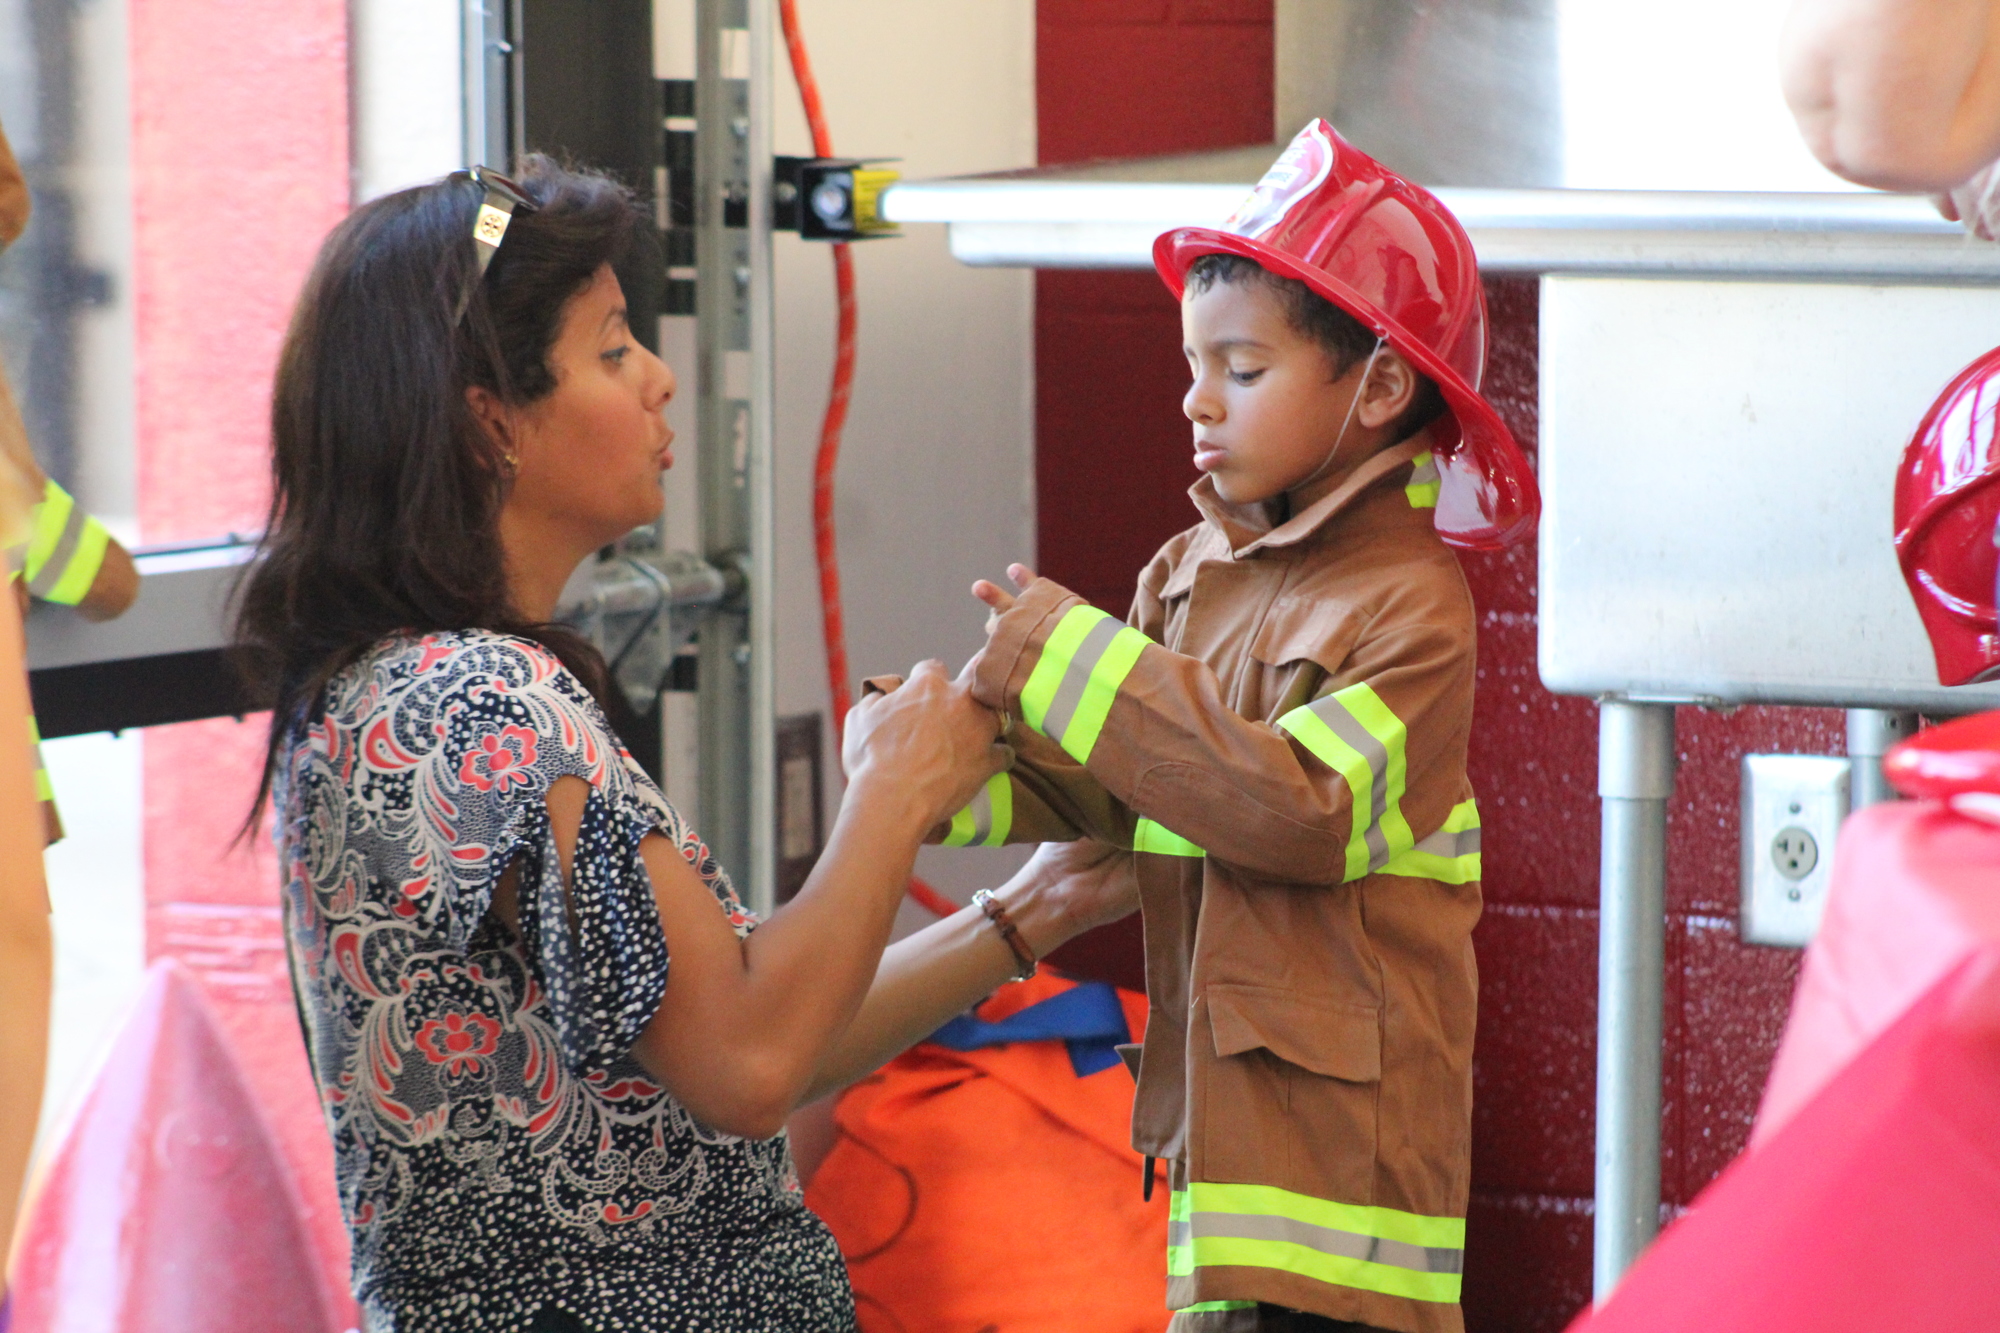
[[500, 198]]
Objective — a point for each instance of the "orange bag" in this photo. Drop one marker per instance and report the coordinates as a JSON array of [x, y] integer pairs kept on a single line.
[[996, 1190]]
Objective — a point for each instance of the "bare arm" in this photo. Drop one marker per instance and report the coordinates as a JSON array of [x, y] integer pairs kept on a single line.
[[25, 948], [1898, 94], [116, 582], [946, 968], [746, 1023]]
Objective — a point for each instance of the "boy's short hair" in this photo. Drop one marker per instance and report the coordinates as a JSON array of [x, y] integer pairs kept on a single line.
[[1344, 339]]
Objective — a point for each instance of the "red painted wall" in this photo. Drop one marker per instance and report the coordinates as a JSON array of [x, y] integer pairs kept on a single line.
[[1125, 77], [240, 167]]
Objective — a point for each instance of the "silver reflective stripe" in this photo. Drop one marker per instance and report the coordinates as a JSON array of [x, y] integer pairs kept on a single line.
[[981, 808], [1425, 472], [1444, 844], [1346, 726], [1062, 708], [1327, 1240], [57, 564]]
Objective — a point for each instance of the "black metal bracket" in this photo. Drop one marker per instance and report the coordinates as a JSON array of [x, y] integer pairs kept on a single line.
[[831, 198]]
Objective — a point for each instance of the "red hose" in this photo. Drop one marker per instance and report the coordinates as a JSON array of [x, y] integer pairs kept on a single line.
[[825, 545]]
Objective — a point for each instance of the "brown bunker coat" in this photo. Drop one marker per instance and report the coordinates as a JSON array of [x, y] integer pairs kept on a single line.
[[1281, 735], [13, 196]]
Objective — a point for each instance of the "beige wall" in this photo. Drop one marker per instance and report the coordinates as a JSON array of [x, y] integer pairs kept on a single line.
[[936, 476]]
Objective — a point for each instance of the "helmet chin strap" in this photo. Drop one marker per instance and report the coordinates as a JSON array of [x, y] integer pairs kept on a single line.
[[1334, 452]]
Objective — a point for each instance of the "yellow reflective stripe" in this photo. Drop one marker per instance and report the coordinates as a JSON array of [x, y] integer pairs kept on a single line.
[[988, 819], [65, 550], [1355, 734], [45, 790], [1180, 1254], [51, 516], [1062, 644], [1424, 482], [1071, 689], [1334, 1269], [1162, 841], [81, 570], [1202, 1307], [1000, 794], [1443, 1233], [1350, 1245], [1450, 856]]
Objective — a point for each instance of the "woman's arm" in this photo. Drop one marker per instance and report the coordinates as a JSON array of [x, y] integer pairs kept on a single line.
[[25, 947], [746, 1023], [1898, 94], [946, 968]]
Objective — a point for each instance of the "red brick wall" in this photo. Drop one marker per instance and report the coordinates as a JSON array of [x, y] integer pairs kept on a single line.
[[1534, 763], [1125, 77]]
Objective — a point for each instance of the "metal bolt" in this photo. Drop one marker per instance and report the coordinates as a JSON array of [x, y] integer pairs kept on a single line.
[[740, 127], [742, 277], [742, 654]]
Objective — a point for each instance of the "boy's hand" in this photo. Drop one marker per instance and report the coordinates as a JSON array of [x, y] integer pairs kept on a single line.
[[999, 599]]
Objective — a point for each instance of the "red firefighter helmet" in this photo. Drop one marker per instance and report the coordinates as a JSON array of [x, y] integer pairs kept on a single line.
[[1955, 760], [1946, 506], [1389, 254]]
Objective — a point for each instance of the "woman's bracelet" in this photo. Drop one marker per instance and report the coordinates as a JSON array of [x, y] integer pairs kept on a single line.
[[987, 903]]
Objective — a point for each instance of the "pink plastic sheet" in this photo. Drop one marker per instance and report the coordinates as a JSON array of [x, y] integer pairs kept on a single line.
[[1872, 1208], [166, 1207], [1916, 890]]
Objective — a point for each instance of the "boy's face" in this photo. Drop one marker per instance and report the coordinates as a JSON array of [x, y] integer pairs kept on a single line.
[[1266, 406]]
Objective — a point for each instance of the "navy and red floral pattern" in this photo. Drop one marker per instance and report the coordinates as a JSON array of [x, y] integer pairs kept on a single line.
[[498, 1149]]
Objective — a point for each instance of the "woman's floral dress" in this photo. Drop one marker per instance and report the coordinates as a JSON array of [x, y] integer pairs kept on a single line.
[[498, 1149]]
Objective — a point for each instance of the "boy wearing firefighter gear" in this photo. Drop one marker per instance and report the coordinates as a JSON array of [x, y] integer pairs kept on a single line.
[[1279, 735], [68, 557]]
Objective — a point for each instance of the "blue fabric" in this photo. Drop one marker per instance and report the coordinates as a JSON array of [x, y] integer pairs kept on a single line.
[[1087, 1018]]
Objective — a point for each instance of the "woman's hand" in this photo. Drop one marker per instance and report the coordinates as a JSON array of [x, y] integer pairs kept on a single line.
[[746, 1023], [1067, 888], [928, 744]]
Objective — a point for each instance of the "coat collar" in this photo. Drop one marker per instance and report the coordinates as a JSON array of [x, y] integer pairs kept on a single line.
[[1248, 529]]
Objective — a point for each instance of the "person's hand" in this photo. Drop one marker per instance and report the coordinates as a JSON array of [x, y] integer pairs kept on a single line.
[[1976, 204], [1067, 888], [998, 600], [925, 743]]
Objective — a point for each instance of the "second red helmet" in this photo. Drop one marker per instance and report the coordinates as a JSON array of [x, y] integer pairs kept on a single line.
[[1390, 254], [1947, 509]]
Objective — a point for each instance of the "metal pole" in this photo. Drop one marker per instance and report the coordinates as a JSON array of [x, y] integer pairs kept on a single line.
[[490, 77], [1870, 733], [733, 288], [762, 685], [1635, 777]]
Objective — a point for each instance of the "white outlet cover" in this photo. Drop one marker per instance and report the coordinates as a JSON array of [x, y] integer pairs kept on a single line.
[[1784, 796]]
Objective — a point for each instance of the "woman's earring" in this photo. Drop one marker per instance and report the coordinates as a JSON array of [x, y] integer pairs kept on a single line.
[[513, 463]]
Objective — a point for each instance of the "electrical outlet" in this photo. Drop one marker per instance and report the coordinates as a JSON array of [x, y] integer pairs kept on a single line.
[[1792, 808]]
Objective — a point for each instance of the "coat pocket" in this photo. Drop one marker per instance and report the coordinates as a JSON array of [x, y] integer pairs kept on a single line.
[[1303, 628], [1289, 1091]]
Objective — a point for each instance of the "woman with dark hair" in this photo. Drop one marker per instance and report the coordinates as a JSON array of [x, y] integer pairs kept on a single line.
[[554, 1056]]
